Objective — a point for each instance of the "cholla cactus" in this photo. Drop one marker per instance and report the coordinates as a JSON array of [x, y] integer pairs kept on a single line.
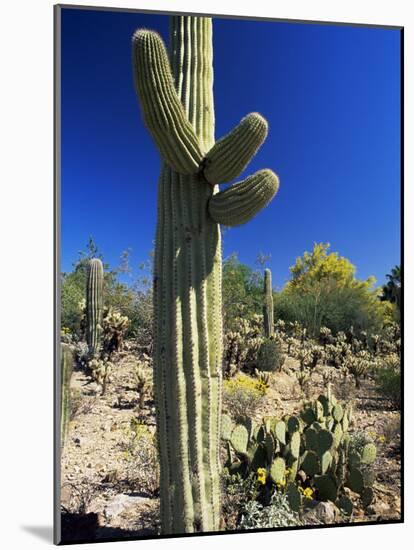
[[327, 377], [241, 345], [263, 378], [290, 342], [295, 329], [280, 325], [115, 326], [341, 337], [375, 341], [94, 305], [142, 379], [303, 377], [358, 366], [304, 357], [177, 106], [101, 371], [316, 355], [325, 336], [268, 304]]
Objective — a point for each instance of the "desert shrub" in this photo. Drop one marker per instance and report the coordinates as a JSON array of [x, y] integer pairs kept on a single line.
[[140, 451], [142, 319], [236, 493], [392, 431], [270, 357], [343, 386], [81, 495], [72, 294], [242, 396], [277, 514], [242, 292], [332, 307], [80, 404], [388, 383]]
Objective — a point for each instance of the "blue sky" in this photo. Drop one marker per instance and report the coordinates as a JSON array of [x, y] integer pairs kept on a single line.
[[331, 95]]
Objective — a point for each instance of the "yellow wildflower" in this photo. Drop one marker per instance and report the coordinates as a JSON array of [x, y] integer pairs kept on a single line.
[[381, 438], [308, 493], [261, 475]]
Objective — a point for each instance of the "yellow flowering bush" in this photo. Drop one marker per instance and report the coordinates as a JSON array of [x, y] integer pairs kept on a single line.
[[241, 382]]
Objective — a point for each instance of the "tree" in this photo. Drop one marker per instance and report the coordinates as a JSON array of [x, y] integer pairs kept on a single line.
[[324, 291], [391, 291], [242, 290]]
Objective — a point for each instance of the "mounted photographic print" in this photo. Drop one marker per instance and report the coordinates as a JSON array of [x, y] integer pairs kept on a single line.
[[228, 274]]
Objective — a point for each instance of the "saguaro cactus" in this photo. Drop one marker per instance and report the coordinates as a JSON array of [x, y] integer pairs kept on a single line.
[[268, 304], [94, 305], [66, 361], [178, 110]]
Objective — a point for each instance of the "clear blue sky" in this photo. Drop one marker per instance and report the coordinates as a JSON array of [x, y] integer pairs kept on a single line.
[[331, 95]]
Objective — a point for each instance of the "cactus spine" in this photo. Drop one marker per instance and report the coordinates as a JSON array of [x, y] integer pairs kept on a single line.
[[268, 304], [94, 305], [178, 110], [65, 375]]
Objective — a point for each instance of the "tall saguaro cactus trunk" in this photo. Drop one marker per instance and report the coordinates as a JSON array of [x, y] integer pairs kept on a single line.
[[177, 105], [268, 304], [94, 305], [66, 361]]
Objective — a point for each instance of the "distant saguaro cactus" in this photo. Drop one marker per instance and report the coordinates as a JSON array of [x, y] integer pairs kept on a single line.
[[66, 361], [178, 110], [268, 304], [94, 305]]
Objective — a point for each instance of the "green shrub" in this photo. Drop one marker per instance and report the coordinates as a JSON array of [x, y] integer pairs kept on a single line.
[[389, 385], [270, 357]]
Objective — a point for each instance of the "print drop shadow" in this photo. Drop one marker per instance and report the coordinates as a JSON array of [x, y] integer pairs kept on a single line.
[[42, 532], [86, 528]]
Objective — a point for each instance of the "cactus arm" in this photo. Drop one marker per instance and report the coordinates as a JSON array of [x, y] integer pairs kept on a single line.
[[162, 109], [230, 155], [242, 201]]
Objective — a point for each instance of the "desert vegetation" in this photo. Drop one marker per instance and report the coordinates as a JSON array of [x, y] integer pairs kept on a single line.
[[197, 398], [310, 427]]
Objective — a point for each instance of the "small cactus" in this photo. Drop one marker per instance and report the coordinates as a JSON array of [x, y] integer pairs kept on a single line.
[[101, 371], [268, 304], [94, 306], [142, 380]]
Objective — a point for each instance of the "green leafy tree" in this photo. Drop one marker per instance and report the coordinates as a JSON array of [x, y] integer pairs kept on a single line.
[[391, 291], [242, 291], [324, 291]]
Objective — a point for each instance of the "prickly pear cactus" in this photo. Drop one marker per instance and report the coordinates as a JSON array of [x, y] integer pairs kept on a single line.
[[268, 304], [66, 361], [94, 305], [177, 106]]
